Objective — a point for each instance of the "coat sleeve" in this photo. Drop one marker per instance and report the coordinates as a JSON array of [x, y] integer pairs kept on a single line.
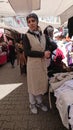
[[50, 45], [27, 48]]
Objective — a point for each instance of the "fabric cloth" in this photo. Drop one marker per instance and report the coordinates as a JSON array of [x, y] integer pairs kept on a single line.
[[62, 86], [64, 99], [59, 79]]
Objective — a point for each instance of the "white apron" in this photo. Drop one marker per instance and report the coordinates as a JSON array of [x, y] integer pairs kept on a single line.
[[37, 78]]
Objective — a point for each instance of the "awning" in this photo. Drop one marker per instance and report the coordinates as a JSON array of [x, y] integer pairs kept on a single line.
[[62, 8], [22, 7], [66, 14], [56, 8], [19, 7], [6, 9]]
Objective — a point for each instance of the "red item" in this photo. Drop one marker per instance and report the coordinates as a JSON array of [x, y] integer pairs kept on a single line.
[[59, 56], [1, 35], [3, 58]]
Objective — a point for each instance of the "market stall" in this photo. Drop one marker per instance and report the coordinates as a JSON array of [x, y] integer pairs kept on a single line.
[[62, 86]]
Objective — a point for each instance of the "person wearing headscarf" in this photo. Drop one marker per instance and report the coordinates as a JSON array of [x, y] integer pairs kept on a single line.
[[49, 32], [36, 52]]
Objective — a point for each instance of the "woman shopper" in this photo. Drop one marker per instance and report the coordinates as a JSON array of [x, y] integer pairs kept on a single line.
[[37, 80], [12, 53], [49, 31]]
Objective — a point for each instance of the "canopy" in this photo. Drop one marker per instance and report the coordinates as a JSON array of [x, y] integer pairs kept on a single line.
[[45, 8], [56, 8], [22, 7], [6, 9], [66, 14], [19, 7]]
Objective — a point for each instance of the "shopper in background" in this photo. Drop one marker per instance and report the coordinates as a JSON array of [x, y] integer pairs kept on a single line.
[[49, 31], [12, 53], [17, 51], [22, 58]]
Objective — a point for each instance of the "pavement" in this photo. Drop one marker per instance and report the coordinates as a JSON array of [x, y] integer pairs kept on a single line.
[[14, 104]]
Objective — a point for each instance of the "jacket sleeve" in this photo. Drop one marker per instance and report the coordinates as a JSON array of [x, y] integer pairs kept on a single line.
[[50, 45], [27, 48]]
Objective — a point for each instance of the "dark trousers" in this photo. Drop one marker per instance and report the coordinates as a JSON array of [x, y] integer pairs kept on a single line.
[[12, 60]]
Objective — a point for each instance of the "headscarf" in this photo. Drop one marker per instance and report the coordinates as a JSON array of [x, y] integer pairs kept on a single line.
[[32, 15]]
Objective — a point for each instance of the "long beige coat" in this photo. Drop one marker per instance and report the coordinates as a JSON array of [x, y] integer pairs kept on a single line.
[[37, 78]]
